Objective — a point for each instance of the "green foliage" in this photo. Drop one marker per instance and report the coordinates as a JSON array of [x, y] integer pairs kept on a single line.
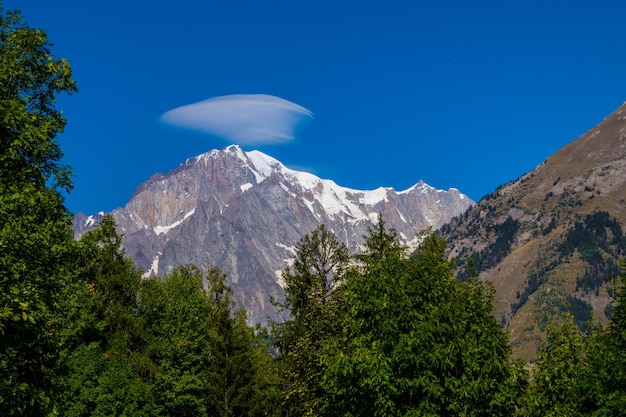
[[108, 369], [319, 265], [102, 385], [556, 389], [209, 362], [417, 341], [36, 245], [113, 282], [176, 310], [581, 374], [310, 287], [581, 312], [608, 380], [30, 79], [167, 346], [406, 339], [599, 240]]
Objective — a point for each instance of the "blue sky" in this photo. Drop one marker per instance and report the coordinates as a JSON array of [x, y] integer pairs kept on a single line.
[[460, 94]]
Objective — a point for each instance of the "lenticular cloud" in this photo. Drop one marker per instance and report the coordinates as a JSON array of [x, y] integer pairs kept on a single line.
[[244, 119]]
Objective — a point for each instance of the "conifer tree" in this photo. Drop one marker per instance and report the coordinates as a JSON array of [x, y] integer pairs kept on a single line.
[[415, 341], [209, 363], [233, 378], [605, 383], [310, 286]]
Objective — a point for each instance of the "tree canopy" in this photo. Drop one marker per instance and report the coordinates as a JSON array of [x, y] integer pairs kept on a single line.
[[404, 338], [36, 241]]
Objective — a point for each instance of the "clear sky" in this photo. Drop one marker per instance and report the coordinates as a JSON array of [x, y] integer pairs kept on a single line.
[[463, 94]]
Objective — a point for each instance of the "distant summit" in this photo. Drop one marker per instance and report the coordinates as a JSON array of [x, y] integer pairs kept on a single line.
[[245, 211]]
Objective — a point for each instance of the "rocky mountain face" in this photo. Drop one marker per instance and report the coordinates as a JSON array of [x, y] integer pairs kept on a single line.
[[245, 212], [550, 239]]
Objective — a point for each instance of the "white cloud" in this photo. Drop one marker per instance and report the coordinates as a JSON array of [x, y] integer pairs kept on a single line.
[[243, 119]]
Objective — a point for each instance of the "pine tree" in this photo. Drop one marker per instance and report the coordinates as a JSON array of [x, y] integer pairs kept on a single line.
[[605, 383]]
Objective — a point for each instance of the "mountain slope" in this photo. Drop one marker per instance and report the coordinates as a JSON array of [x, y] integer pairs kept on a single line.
[[549, 239], [245, 211]]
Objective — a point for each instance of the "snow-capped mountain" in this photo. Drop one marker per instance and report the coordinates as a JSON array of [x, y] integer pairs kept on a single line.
[[245, 211]]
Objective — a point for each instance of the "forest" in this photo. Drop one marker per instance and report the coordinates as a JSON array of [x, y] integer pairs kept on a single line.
[[382, 332]]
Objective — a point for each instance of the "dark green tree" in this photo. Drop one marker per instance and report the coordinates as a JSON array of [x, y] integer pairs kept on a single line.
[[36, 240], [360, 377], [319, 266], [310, 285], [606, 381], [113, 281], [106, 350], [415, 341], [210, 362], [235, 385]]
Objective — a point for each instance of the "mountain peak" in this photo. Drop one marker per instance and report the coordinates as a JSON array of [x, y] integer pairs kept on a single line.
[[245, 211], [604, 143]]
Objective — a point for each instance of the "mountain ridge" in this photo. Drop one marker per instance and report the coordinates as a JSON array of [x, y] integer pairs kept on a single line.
[[548, 239], [245, 211]]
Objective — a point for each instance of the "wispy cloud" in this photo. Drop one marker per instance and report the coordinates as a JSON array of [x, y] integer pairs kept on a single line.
[[243, 119]]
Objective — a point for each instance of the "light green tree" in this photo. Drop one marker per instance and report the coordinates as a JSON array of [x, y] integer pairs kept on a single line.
[[557, 386], [176, 310], [36, 240]]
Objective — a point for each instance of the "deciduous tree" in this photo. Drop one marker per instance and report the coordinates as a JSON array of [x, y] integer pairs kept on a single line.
[[108, 370], [36, 240], [558, 379]]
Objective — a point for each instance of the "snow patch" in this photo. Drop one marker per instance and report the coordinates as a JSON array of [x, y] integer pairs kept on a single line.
[[90, 221], [290, 249], [154, 268], [374, 197], [309, 205], [164, 229], [279, 279], [263, 165], [245, 187]]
